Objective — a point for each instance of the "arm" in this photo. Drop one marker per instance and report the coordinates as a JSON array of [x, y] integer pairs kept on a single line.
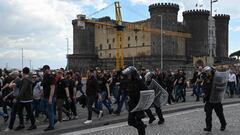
[[67, 94], [51, 94], [108, 90]]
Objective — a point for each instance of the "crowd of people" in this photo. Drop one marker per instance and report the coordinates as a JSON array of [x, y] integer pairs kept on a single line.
[[53, 93]]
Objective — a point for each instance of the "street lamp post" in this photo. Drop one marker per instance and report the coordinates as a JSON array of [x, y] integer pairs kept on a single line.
[[161, 43], [67, 51]]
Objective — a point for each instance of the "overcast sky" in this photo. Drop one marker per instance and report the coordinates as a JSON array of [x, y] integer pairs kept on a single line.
[[42, 26]]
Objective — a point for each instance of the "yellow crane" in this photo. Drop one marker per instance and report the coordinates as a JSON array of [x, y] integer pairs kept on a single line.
[[119, 37]]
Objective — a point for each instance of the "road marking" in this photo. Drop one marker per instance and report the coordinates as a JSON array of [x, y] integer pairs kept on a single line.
[[122, 124]]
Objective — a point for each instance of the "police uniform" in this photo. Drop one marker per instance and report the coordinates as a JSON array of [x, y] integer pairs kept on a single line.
[[208, 108], [135, 85]]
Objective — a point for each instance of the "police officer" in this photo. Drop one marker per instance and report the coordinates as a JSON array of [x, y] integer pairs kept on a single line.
[[134, 86], [148, 79], [218, 108]]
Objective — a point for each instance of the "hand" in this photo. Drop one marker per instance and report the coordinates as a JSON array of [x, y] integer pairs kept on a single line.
[[14, 101], [99, 98], [69, 99], [50, 101]]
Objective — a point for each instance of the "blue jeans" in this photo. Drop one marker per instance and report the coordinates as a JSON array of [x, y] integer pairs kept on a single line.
[[36, 107], [123, 97], [2, 114], [116, 93], [105, 101], [49, 109], [198, 90], [180, 92]]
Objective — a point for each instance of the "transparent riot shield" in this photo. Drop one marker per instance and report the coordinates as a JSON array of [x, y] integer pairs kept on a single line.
[[219, 87], [161, 95]]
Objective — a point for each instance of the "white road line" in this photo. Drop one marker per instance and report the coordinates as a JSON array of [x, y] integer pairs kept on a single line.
[[122, 124]]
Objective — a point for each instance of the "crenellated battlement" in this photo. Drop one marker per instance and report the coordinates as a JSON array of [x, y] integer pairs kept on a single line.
[[222, 16], [164, 5], [196, 12]]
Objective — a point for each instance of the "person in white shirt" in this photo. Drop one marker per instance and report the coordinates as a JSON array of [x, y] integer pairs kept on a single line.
[[232, 81]]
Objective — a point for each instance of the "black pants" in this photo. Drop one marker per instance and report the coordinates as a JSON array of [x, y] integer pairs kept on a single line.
[[90, 101], [28, 107], [71, 106], [13, 115], [135, 120], [158, 111], [170, 96], [218, 108]]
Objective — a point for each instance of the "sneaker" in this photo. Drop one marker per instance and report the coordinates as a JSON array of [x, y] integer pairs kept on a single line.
[[20, 127], [32, 127], [88, 122], [100, 114], [7, 130], [49, 128], [207, 129], [151, 120]]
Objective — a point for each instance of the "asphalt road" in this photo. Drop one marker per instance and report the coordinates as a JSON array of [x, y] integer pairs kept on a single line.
[[181, 123]]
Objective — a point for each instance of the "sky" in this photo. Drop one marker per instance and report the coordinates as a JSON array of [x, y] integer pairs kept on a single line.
[[41, 27]]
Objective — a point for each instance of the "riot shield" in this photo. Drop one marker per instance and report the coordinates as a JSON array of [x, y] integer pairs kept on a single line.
[[219, 87], [145, 101], [161, 95]]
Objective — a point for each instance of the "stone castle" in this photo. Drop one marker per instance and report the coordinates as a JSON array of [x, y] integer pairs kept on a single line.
[[94, 42]]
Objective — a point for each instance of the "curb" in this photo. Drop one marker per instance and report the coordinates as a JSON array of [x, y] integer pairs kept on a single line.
[[124, 118]]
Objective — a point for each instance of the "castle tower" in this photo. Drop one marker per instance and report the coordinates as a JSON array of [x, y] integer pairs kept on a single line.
[[197, 23], [168, 12], [84, 55], [221, 23]]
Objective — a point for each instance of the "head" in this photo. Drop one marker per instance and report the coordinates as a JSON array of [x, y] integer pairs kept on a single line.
[[14, 74], [35, 77], [69, 75], [131, 72], [26, 71], [209, 71], [148, 77], [90, 73], [46, 69], [60, 73]]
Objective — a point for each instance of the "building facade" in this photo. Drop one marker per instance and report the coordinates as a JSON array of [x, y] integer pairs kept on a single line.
[[94, 42]]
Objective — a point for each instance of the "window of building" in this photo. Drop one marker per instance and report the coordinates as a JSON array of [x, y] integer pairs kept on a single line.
[[153, 43], [128, 45], [109, 46], [120, 39], [100, 54], [110, 55], [100, 46], [143, 44], [136, 38], [107, 40], [113, 40], [129, 38]]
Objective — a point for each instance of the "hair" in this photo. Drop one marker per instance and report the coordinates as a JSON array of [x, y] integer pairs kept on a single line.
[[26, 70]]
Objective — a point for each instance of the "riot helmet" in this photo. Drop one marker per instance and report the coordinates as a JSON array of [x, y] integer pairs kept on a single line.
[[148, 77], [209, 70], [131, 71]]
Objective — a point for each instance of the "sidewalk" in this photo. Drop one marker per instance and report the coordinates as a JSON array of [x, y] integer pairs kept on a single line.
[[69, 126]]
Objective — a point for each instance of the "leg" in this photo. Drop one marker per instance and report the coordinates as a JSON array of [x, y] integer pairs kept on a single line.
[[134, 119], [50, 113], [59, 109], [13, 116], [20, 113], [208, 110], [90, 102], [160, 115], [150, 115], [218, 108]]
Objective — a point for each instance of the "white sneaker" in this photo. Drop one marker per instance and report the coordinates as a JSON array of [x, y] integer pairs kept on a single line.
[[7, 130], [100, 114], [88, 122]]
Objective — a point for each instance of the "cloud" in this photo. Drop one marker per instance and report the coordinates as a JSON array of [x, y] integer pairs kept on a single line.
[[40, 27]]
